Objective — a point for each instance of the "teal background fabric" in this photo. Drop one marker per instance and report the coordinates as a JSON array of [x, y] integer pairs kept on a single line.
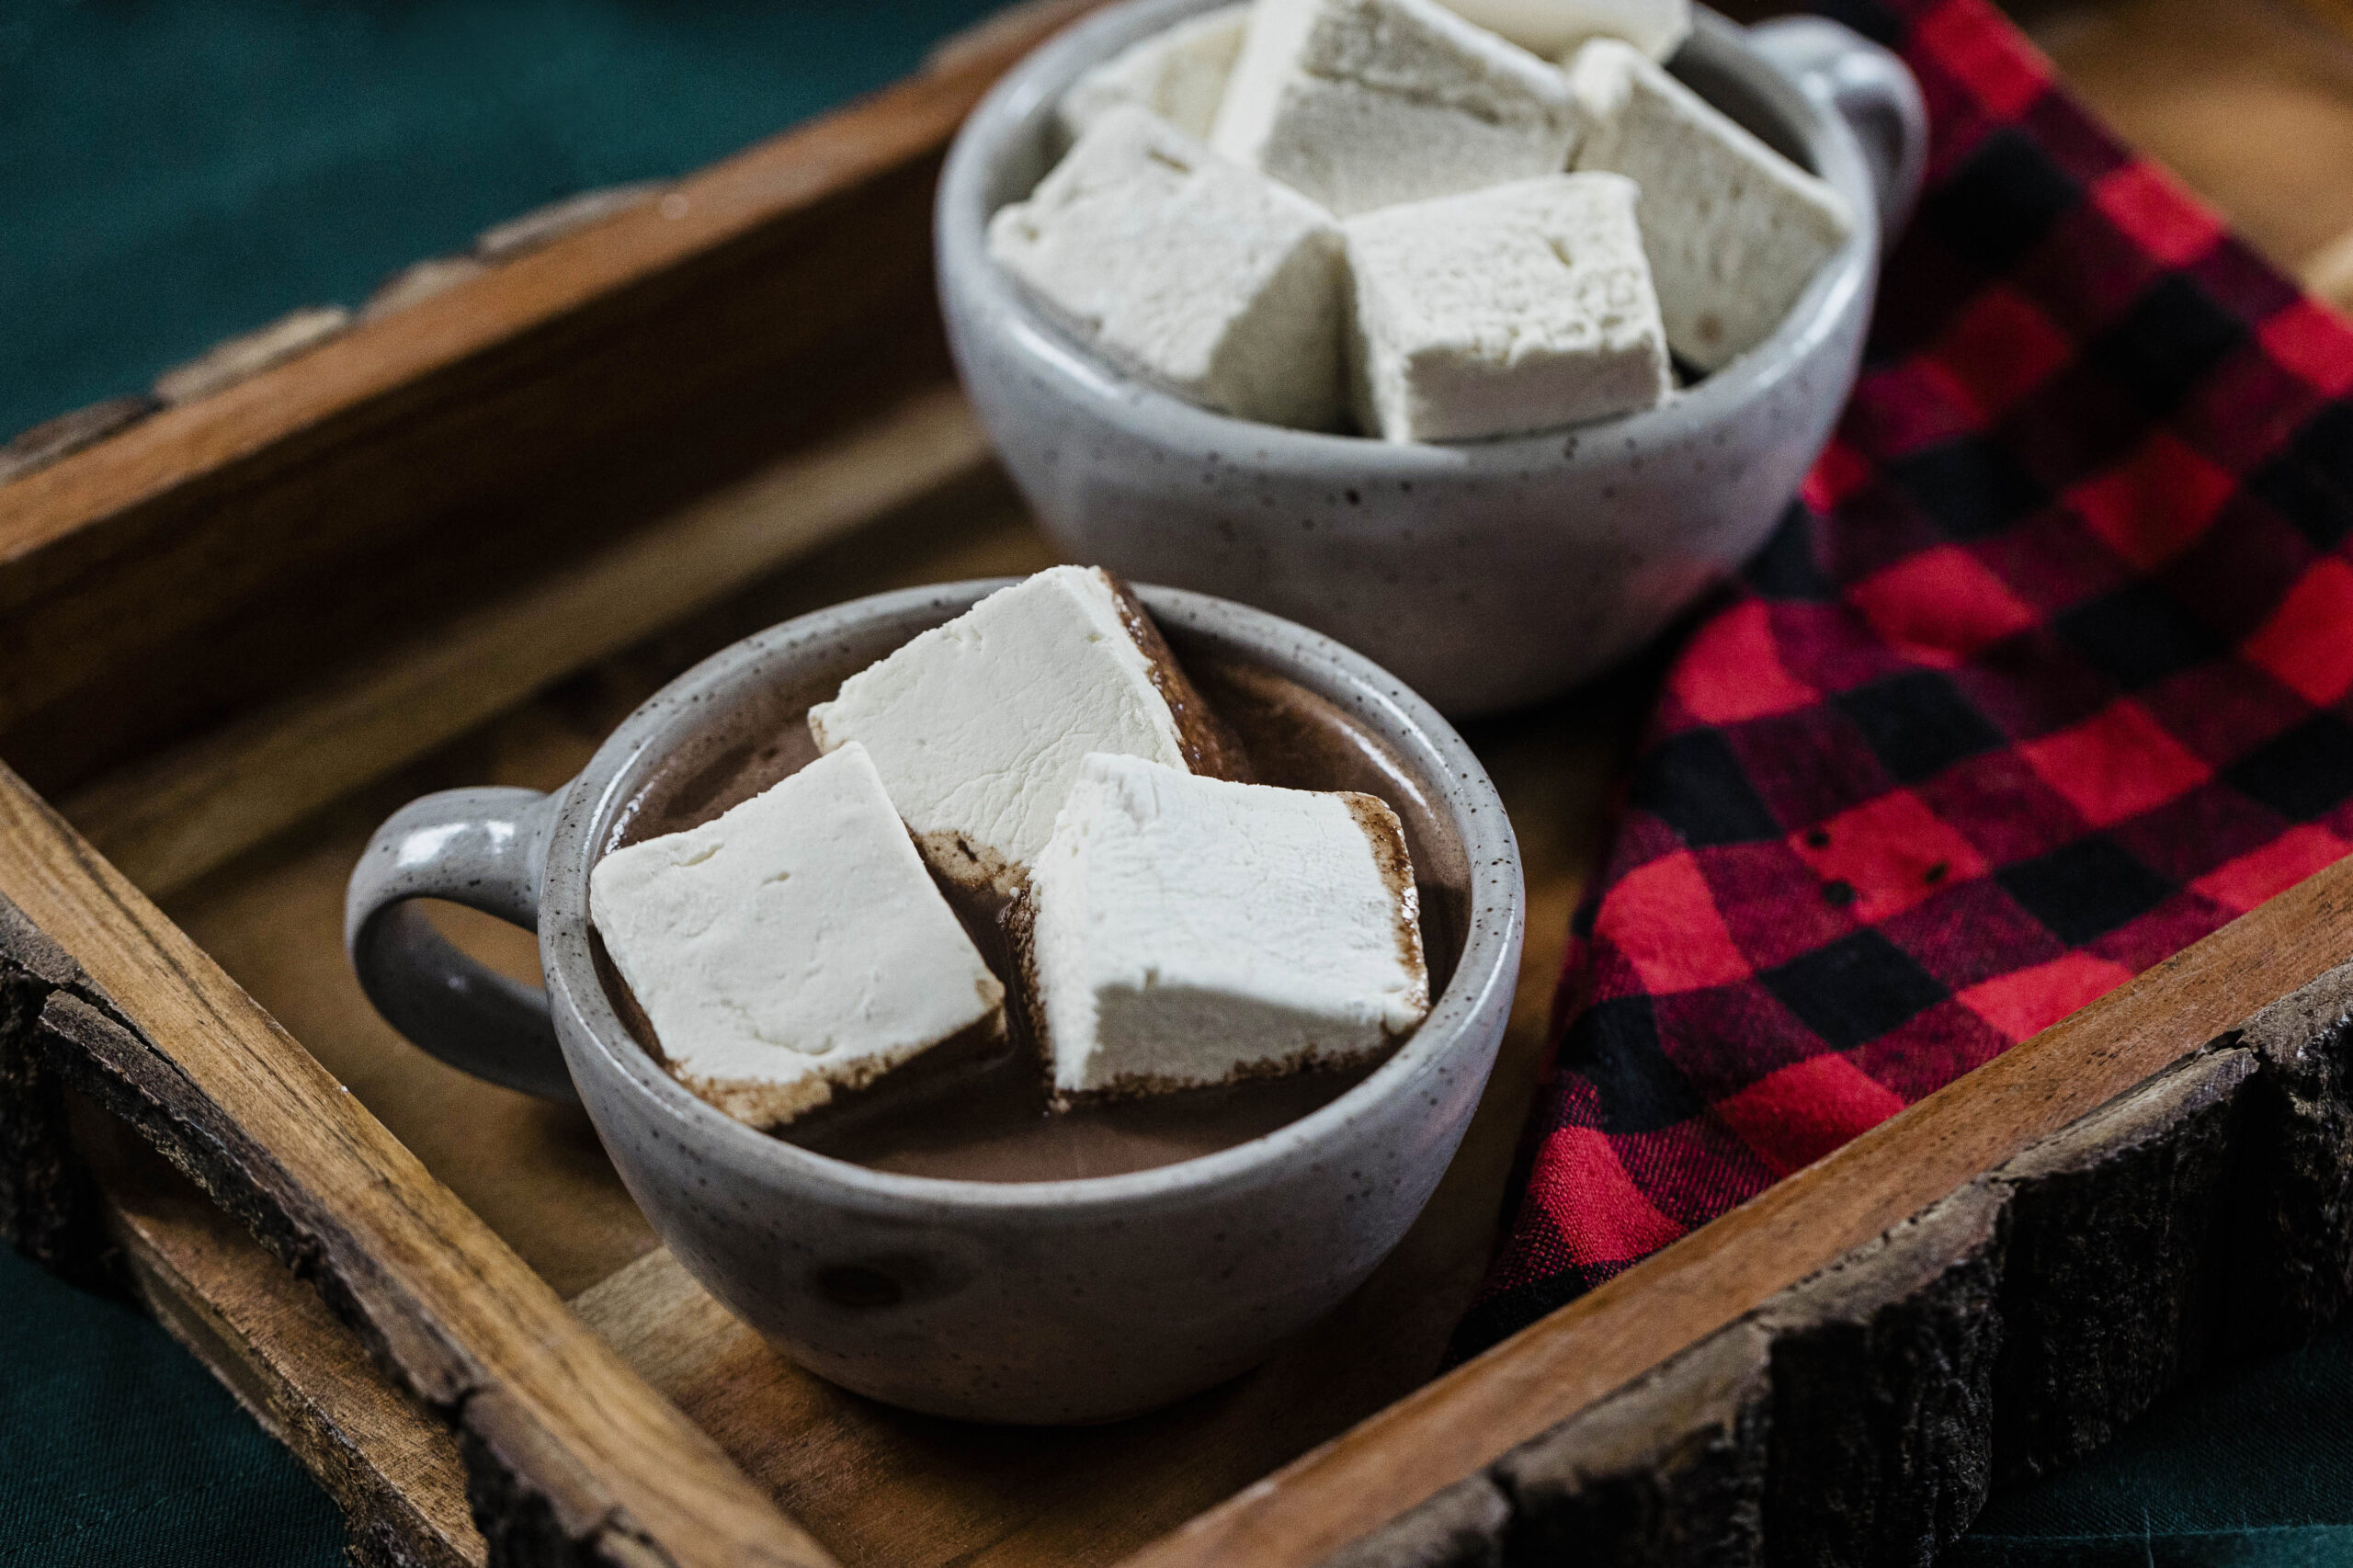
[[173, 172], [117, 1447], [2252, 1470]]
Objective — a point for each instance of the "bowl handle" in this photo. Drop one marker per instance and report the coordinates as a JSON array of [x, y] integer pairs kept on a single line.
[[1870, 88], [483, 849]]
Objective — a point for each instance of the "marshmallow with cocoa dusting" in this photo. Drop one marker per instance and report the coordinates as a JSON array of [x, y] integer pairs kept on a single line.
[[792, 947], [1361, 103], [978, 726], [1179, 932]]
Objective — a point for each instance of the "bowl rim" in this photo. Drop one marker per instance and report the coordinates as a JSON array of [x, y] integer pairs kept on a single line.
[[978, 297], [1483, 982]]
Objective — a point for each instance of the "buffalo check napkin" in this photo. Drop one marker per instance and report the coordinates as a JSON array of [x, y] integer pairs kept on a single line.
[[2043, 678]]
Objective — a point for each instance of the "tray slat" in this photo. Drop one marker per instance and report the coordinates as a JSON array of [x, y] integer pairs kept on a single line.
[[568, 1450], [179, 571], [168, 818], [393, 1470], [1805, 1223]]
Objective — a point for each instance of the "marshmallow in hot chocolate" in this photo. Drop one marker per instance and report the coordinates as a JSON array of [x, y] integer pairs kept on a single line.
[[1184, 931], [794, 946], [977, 727]]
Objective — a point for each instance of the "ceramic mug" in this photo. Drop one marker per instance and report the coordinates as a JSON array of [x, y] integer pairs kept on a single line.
[[1041, 1301], [1485, 573]]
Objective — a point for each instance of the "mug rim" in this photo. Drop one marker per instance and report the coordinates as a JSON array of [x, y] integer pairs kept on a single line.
[[995, 304], [1492, 928]]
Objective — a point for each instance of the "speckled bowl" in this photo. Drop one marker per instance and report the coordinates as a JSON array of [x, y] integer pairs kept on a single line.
[[1047, 1301], [1485, 573]]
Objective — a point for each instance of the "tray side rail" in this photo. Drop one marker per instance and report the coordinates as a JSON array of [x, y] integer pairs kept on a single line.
[[570, 1456], [1982, 1289], [195, 564]]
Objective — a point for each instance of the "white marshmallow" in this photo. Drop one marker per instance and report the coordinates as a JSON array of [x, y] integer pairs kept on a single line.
[[1733, 230], [1554, 29], [1210, 279], [1517, 308], [1178, 74], [977, 727], [792, 947], [1365, 103], [1186, 931]]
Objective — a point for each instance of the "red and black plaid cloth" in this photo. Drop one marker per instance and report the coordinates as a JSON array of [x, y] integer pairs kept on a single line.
[[2044, 678]]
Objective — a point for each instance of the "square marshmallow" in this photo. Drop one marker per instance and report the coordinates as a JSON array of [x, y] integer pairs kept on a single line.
[[793, 946], [977, 727], [1203, 276], [1733, 230], [1519, 308], [1554, 29], [1181, 931], [1366, 103], [1178, 74]]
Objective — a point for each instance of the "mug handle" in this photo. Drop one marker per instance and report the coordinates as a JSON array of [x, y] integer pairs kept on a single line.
[[1868, 88], [483, 849]]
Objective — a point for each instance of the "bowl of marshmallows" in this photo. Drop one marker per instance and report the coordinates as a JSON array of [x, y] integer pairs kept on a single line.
[[1483, 335]]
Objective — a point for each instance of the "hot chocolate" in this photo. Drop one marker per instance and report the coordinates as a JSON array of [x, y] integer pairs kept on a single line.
[[985, 1115]]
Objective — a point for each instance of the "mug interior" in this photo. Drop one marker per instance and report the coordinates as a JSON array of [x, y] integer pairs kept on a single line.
[[733, 725]]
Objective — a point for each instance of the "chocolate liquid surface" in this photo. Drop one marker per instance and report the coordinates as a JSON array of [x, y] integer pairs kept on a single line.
[[986, 1119]]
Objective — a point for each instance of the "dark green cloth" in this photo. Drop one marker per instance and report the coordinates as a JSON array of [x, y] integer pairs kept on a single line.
[[2253, 1468], [173, 172], [117, 1447]]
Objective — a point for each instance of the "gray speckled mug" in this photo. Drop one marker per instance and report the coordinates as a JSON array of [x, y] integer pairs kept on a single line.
[[1042, 1301], [1485, 573]]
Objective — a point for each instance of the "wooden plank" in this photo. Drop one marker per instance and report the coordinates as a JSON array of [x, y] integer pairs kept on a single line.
[[570, 1456], [1882, 1370], [2251, 106], [198, 562], [2117, 1254], [50, 1207], [1669, 1469], [393, 1468], [1463, 1527], [1858, 1415], [2294, 1202], [862, 1479], [168, 818], [1551, 1371]]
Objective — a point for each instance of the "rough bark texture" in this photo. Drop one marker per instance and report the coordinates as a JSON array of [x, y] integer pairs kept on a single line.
[[242, 357], [68, 433], [48, 1205], [1463, 1526], [2295, 1273], [540, 1498], [1668, 1470], [1882, 1373], [2115, 1263]]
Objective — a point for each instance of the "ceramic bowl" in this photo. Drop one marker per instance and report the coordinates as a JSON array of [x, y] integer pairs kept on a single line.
[[1485, 573]]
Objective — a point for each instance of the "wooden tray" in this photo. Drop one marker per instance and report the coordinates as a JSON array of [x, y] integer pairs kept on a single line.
[[457, 543]]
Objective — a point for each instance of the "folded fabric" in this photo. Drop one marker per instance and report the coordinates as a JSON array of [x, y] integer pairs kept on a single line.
[[2044, 678]]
